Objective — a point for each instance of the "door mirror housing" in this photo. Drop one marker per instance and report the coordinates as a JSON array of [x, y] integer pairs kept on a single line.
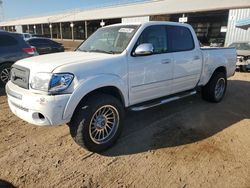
[[144, 50]]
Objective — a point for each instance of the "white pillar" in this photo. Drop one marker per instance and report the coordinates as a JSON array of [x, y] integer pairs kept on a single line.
[[72, 29], [34, 29], [51, 34], [61, 31], [86, 30], [42, 29]]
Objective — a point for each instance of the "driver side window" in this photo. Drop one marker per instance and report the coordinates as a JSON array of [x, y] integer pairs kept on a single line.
[[157, 36]]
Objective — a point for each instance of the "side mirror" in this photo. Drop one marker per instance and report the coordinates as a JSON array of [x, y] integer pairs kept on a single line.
[[144, 49]]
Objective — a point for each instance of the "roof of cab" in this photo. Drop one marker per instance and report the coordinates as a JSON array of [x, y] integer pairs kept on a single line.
[[151, 23]]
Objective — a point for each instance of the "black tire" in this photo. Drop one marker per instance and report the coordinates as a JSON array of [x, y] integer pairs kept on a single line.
[[209, 90], [243, 68], [81, 123], [4, 70]]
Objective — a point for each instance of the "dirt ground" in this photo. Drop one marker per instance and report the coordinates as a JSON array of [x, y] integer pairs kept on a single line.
[[187, 143]]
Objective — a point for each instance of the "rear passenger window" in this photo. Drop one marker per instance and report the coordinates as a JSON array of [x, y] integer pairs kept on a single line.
[[6, 41], [39, 42], [180, 38], [45, 41], [157, 36], [34, 42], [54, 43]]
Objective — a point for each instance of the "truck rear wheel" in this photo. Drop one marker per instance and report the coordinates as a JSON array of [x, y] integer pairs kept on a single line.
[[97, 122], [215, 89]]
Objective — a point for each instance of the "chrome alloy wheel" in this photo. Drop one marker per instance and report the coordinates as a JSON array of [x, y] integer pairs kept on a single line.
[[220, 88], [104, 124], [5, 75]]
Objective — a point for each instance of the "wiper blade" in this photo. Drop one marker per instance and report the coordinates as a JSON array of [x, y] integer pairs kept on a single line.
[[113, 52], [102, 51], [97, 50], [82, 50]]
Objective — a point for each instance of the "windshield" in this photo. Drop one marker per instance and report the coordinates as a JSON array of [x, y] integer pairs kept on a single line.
[[241, 46], [112, 40]]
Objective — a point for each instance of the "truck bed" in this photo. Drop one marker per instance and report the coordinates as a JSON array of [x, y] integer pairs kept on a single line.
[[217, 57]]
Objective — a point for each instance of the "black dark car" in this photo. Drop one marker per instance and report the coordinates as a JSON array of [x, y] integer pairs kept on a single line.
[[12, 48], [45, 46], [41, 36]]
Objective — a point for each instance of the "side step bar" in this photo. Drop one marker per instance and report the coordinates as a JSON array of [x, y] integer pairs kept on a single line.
[[163, 101]]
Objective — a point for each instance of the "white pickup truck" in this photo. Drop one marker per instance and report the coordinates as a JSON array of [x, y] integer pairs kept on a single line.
[[134, 66]]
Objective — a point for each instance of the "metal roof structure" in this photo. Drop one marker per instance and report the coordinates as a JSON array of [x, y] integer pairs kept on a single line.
[[154, 7], [236, 34]]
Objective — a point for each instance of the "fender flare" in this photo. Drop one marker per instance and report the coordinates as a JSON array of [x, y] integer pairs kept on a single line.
[[91, 84], [209, 70]]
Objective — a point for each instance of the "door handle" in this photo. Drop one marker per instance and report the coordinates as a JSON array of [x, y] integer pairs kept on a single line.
[[196, 58], [166, 61]]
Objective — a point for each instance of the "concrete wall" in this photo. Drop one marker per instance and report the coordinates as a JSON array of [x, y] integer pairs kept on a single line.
[[19, 29], [235, 34]]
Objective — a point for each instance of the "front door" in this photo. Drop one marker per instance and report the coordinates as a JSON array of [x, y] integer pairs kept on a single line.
[[151, 76]]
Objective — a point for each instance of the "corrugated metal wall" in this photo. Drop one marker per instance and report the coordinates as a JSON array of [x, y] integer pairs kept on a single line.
[[235, 34]]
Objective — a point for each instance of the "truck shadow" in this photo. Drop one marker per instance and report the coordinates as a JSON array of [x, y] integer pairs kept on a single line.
[[2, 92], [182, 122], [5, 184]]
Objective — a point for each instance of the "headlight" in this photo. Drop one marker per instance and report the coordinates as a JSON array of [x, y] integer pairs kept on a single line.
[[51, 82], [41, 81], [60, 82]]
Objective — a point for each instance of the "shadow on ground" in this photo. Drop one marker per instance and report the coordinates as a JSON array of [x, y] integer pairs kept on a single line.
[[5, 184], [182, 122], [2, 91]]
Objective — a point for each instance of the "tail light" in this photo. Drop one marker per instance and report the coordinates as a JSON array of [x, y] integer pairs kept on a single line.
[[30, 51]]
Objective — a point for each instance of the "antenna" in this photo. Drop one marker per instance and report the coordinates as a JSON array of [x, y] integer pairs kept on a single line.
[[1, 11]]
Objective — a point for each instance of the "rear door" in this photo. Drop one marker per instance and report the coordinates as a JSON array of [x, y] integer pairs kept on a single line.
[[151, 76], [187, 58]]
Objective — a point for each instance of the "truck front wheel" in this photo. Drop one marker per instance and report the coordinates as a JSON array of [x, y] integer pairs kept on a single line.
[[215, 89], [97, 122]]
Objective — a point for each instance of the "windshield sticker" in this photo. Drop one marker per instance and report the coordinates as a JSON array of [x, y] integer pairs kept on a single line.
[[126, 30]]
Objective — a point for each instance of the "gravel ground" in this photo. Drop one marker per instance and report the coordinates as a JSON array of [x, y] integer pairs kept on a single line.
[[187, 143]]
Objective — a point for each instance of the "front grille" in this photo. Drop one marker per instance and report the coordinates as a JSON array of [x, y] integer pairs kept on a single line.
[[20, 76]]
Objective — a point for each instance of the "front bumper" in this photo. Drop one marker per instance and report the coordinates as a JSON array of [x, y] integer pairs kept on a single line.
[[37, 109], [242, 62]]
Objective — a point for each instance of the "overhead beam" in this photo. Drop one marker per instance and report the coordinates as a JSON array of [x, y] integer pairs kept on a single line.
[[156, 7]]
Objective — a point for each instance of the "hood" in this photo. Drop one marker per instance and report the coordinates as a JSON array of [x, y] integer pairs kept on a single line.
[[243, 52], [47, 63]]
